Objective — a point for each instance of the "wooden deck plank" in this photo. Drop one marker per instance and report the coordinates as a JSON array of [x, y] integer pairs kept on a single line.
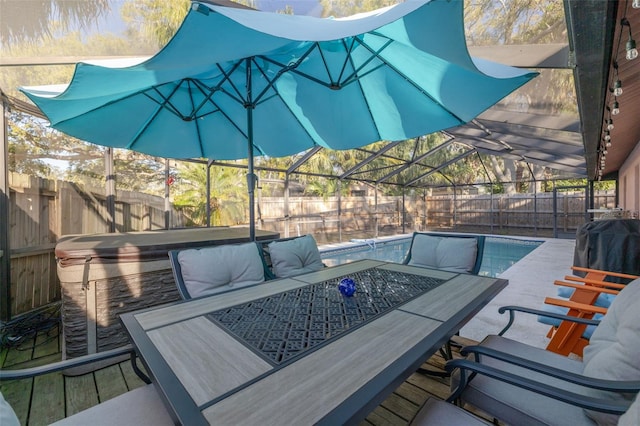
[[400, 406], [47, 343], [20, 354], [131, 378], [80, 393], [412, 393], [110, 382], [47, 404], [383, 417]]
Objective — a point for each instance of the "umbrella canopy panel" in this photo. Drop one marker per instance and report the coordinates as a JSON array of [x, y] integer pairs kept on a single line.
[[285, 83]]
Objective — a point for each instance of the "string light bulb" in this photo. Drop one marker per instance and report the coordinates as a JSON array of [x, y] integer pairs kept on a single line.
[[607, 136], [617, 88], [632, 52], [636, 4], [610, 121], [615, 110]]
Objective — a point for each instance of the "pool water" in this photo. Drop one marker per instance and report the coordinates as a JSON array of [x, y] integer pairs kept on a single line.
[[499, 253]]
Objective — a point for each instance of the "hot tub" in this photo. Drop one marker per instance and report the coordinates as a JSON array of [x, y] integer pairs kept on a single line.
[[105, 275]]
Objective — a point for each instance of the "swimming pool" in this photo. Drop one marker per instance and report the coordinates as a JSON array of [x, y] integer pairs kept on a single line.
[[499, 253]]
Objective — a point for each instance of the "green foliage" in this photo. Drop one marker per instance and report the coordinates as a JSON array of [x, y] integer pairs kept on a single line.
[[29, 21], [228, 194], [341, 8], [155, 20]]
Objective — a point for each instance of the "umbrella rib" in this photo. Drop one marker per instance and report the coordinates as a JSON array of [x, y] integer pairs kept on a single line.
[[227, 77], [283, 69], [167, 99], [161, 105]]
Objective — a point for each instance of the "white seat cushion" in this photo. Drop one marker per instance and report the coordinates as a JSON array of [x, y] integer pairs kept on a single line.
[[7, 415], [295, 257], [517, 406], [614, 348], [632, 416], [453, 254], [212, 270], [140, 407], [435, 412]]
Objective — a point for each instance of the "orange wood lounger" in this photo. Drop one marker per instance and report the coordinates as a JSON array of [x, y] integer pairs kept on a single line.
[[567, 337]]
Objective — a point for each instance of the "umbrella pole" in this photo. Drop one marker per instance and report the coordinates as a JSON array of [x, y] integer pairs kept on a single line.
[[251, 177]]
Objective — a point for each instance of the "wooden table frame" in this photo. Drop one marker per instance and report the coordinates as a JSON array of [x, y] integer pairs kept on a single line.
[[223, 382]]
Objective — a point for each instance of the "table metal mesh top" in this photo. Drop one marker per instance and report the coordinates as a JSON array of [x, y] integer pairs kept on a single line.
[[285, 325]]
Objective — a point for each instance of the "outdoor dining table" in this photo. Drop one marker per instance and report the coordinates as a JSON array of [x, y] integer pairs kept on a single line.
[[296, 350]]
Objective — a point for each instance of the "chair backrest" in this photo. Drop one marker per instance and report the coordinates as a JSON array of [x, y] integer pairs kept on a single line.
[[177, 274], [454, 252], [210, 270], [286, 257]]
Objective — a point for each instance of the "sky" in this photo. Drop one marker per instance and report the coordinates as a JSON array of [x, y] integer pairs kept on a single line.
[[112, 22]]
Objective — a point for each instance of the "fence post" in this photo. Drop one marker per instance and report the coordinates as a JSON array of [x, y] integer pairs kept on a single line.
[[5, 249], [167, 203], [455, 206], [491, 208], [376, 210], [339, 210], [110, 189], [404, 219], [286, 205]]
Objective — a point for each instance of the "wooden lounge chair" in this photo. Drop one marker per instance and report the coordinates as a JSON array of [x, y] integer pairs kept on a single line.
[[569, 337], [520, 384], [141, 406]]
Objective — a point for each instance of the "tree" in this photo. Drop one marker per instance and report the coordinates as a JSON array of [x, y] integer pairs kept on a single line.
[[229, 200], [29, 21]]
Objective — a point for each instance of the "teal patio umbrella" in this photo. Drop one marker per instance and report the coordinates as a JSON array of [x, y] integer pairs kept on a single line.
[[235, 83]]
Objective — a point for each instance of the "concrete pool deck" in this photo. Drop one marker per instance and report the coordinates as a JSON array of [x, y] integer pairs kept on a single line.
[[530, 281]]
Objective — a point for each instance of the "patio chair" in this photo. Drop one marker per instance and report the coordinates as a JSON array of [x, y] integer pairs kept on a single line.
[[140, 406], [582, 297], [215, 269], [286, 257], [520, 384], [450, 252]]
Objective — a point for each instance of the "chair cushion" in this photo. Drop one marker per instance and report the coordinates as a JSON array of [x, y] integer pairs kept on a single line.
[[613, 349], [294, 257], [141, 407], [517, 406], [449, 253], [436, 412], [216, 269], [7, 415], [561, 310], [632, 416]]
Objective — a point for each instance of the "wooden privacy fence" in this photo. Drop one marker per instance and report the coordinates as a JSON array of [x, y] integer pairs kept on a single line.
[[42, 210], [372, 216]]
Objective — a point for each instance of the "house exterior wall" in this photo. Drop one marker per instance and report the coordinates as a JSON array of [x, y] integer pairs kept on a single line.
[[629, 181]]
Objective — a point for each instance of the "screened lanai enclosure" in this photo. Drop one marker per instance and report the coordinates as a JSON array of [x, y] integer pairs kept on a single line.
[[531, 164]]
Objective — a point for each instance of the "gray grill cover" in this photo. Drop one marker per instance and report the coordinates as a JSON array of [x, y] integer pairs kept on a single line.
[[610, 245]]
